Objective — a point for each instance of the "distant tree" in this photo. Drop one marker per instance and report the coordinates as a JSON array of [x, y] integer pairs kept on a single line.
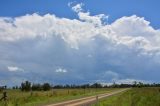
[[59, 86], [73, 86], [46, 86], [37, 87], [96, 85], [13, 87], [85, 86], [17, 87], [106, 86], [114, 85], [26, 86], [134, 83], [140, 84], [67, 86]]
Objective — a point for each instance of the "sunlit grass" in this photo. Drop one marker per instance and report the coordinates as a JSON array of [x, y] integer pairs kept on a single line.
[[134, 97], [19, 98]]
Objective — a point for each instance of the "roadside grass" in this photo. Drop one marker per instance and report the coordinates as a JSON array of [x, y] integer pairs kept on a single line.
[[40, 98], [134, 97]]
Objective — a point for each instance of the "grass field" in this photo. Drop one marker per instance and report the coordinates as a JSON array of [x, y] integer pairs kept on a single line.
[[134, 97], [39, 98]]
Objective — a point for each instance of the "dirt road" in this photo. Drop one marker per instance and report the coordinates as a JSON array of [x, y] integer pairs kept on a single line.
[[87, 101]]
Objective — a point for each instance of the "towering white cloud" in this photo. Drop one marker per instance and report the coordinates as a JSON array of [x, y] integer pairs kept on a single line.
[[130, 47]]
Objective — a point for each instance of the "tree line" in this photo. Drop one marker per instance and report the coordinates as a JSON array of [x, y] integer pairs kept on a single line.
[[28, 86]]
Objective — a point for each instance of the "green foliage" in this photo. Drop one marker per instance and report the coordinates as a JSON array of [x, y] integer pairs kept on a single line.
[[37, 87], [134, 97], [26, 86], [46, 86]]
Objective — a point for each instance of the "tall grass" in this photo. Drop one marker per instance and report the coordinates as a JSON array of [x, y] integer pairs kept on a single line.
[[38, 98], [134, 97]]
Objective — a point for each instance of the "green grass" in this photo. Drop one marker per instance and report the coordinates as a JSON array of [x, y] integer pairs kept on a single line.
[[134, 97], [39, 98]]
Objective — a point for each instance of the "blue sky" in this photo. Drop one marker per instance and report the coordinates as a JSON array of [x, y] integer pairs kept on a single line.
[[71, 42], [115, 8]]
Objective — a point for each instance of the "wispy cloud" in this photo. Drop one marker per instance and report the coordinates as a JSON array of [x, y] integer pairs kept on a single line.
[[15, 69], [61, 70], [77, 8]]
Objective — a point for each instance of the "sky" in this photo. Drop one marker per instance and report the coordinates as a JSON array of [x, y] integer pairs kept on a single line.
[[82, 41]]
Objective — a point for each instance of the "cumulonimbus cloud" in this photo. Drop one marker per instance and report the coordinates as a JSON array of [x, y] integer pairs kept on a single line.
[[86, 46]]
